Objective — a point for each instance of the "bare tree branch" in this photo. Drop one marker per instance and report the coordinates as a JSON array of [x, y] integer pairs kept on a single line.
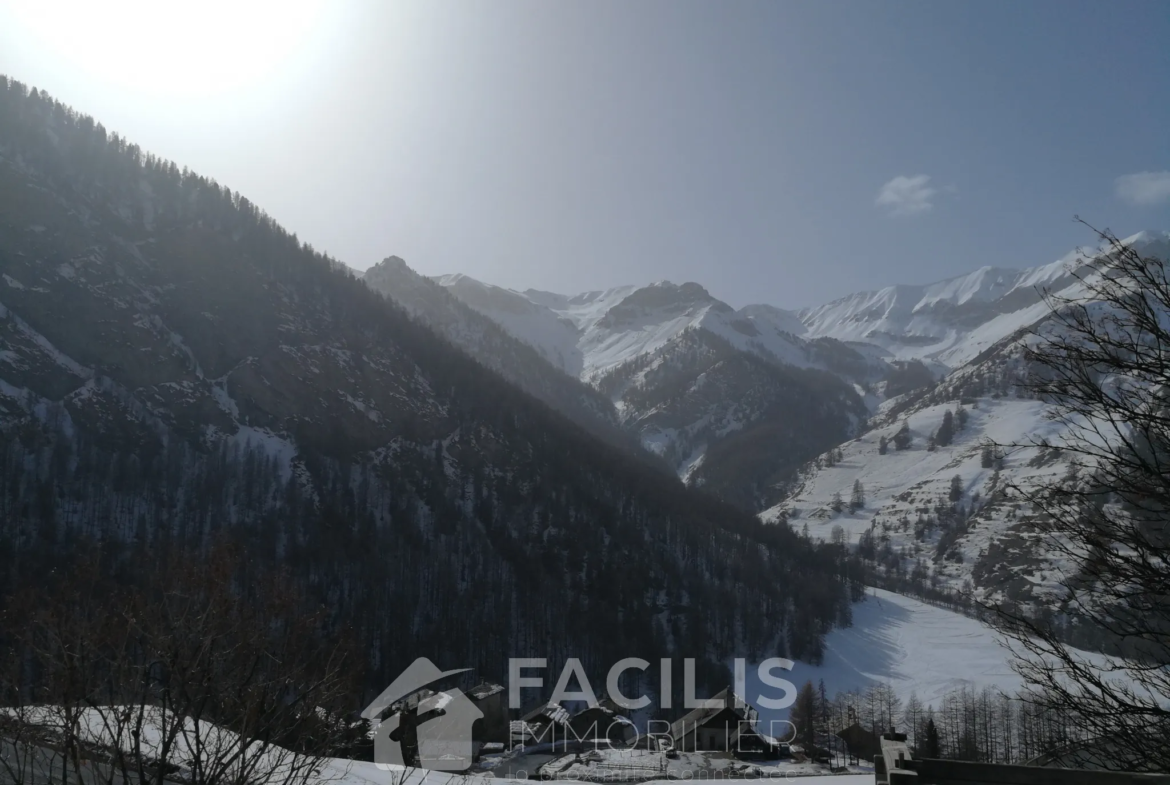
[[1102, 359]]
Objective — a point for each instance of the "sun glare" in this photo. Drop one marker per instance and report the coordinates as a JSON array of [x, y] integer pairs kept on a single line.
[[176, 49]]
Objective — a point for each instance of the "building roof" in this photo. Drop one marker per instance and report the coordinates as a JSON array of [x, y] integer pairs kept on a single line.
[[555, 712], [598, 709], [410, 683], [609, 703], [410, 701], [485, 689], [728, 701]]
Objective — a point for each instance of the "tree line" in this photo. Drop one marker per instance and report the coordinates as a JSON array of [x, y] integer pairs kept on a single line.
[[968, 724]]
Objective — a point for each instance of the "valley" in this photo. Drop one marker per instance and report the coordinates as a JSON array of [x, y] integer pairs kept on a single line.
[[438, 467]]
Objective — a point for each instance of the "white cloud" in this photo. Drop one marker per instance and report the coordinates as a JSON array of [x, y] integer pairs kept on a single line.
[[1143, 188], [907, 195]]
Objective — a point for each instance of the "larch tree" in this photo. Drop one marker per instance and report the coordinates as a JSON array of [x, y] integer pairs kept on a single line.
[[804, 717]]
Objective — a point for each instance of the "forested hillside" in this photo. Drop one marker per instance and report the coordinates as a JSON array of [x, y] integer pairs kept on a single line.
[[176, 368]]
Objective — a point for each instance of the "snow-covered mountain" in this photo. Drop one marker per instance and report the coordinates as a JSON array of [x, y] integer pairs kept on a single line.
[[716, 391], [944, 324], [950, 322], [923, 492], [592, 333], [688, 374]]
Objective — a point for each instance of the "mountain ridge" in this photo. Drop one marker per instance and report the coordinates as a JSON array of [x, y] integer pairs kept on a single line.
[[843, 318], [651, 338], [698, 403]]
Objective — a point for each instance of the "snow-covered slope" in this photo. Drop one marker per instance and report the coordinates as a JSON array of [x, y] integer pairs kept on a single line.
[[936, 513], [531, 322], [929, 501], [952, 321], [913, 647], [955, 531]]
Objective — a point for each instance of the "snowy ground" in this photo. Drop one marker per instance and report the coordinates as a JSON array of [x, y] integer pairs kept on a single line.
[[607, 765], [275, 762], [361, 773], [913, 647]]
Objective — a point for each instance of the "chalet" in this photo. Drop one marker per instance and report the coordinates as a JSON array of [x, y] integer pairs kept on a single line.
[[717, 727], [861, 742]]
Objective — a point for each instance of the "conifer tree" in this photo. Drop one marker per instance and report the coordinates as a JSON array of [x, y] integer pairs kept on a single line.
[[987, 457], [857, 499], [946, 431], [931, 746], [903, 438], [956, 492]]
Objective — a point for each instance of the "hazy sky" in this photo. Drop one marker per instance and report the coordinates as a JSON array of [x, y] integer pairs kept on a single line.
[[783, 152]]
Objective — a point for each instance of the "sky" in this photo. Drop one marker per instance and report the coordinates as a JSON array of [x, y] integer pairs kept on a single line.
[[774, 151]]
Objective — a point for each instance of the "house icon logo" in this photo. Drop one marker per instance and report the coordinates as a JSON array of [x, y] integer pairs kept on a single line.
[[440, 722]]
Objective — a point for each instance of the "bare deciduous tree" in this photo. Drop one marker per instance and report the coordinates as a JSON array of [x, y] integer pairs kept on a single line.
[[1103, 360], [200, 674]]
